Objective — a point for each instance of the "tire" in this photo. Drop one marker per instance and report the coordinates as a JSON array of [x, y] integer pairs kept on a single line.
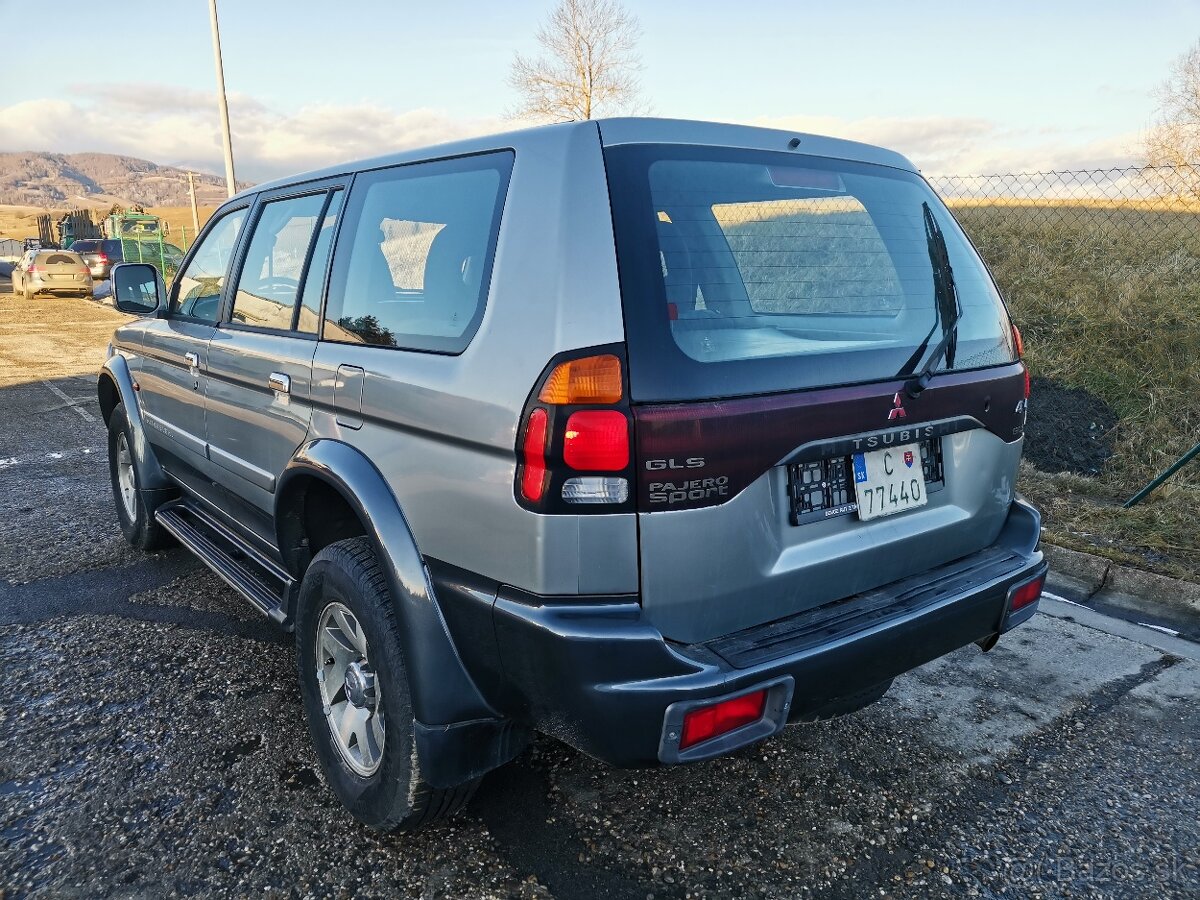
[[344, 600], [135, 512]]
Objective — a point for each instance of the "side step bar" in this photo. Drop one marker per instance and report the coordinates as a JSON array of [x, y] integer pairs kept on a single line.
[[259, 579]]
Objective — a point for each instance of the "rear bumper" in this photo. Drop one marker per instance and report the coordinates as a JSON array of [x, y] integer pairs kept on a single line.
[[598, 676], [38, 286]]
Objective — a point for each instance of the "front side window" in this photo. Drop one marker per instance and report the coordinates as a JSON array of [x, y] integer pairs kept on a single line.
[[197, 292], [270, 279], [413, 263]]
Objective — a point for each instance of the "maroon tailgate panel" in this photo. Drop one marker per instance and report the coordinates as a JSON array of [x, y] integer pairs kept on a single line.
[[711, 450]]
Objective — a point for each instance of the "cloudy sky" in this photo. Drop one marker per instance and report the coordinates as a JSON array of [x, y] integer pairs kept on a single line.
[[960, 87]]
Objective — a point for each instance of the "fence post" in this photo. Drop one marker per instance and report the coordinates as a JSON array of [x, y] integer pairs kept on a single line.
[[1171, 470]]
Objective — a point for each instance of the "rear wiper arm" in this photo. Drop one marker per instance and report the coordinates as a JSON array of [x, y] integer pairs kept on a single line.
[[945, 294]]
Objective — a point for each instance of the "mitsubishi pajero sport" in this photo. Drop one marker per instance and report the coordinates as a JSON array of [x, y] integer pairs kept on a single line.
[[653, 436]]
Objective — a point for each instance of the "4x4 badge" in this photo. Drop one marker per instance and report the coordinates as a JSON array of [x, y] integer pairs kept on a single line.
[[897, 410]]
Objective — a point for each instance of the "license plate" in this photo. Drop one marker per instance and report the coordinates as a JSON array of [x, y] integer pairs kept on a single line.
[[889, 481]]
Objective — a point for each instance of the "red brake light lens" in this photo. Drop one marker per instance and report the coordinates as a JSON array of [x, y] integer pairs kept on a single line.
[[533, 453], [597, 441], [1027, 593], [712, 721]]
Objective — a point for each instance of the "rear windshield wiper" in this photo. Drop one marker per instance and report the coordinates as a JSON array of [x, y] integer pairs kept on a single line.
[[945, 295]]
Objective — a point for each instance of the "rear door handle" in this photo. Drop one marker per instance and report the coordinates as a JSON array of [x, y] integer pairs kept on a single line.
[[193, 360], [277, 381]]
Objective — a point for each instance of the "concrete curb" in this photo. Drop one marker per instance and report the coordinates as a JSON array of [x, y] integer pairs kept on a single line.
[[1100, 576]]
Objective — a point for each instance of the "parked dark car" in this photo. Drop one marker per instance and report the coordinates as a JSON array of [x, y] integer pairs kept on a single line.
[[99, 254]]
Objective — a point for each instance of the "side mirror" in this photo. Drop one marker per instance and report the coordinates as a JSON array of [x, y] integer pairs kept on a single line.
[[137, 288]]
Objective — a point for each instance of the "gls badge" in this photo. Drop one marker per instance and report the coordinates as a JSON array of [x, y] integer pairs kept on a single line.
[[692, 462]]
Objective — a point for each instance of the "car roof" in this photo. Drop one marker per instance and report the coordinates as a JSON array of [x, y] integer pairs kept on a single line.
[[618, 131]]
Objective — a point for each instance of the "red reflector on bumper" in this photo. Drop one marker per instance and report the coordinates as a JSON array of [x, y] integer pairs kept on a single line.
[[1026, 593], [721, 718]]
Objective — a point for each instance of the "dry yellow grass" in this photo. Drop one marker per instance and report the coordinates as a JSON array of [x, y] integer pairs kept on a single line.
[[21, 221]]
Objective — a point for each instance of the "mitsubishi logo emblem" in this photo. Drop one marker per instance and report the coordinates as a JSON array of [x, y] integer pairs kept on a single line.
[[897, 410]]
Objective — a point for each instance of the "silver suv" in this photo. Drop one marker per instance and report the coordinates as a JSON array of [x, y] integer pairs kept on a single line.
[[653, 436]]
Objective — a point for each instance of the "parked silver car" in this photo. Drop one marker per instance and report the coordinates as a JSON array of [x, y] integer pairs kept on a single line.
[[51, 272], [653, 436]]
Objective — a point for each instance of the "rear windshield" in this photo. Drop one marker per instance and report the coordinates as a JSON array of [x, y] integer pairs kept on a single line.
[[746, 272], [84, 246], [59, 259]]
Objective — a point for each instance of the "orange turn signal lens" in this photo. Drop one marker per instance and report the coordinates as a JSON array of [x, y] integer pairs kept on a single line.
[[1019, 342], [594, 379]]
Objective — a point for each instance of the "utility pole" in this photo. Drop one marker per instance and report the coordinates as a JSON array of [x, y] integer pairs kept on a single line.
[[191, 177], [231, 183]]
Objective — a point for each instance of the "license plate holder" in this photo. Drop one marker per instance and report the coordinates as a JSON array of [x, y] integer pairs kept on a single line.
[[889, 481]]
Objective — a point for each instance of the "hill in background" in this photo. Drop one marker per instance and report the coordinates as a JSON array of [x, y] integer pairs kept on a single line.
[[58, 180]]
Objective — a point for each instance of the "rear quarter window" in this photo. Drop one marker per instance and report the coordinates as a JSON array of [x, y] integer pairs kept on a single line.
[[413, 262]]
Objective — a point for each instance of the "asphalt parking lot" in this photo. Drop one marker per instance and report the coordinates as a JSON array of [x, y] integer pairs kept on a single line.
[[152, 741]]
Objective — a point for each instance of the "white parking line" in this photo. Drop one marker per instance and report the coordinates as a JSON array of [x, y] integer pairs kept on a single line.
[[87, 416], [1063, 599], [1163, 628]]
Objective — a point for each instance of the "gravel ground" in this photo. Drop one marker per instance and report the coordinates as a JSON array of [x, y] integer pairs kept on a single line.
[[152, 741]]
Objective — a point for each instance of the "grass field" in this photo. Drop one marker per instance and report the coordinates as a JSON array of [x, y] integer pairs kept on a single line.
[[1108, 299]]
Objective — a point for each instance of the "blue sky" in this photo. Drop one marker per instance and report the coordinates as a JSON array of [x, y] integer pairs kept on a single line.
[[960, 87]]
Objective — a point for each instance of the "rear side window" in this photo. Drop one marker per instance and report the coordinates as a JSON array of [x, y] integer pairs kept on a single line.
[[270, 278], [413, 262], [746, 272]]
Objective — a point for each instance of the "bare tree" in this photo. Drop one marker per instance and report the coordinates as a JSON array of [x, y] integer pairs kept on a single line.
[[1174, 138], [589, 68]]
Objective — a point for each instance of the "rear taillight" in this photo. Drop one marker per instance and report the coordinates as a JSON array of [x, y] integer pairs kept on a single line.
[[709, 722], [32, 269], [100, 257], [593, 379], [533, 456], [597, 441], [577, 420], [1027, 593], [1019, 344]]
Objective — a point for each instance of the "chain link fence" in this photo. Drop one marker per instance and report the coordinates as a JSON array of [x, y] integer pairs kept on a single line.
[[1101, 269], [1158, 204]]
